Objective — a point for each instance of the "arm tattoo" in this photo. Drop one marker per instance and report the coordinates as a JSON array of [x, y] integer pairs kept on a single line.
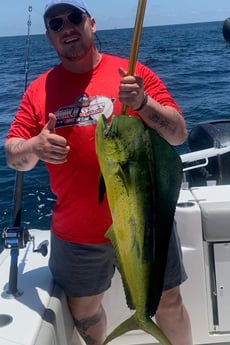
[[163, 123], [17, 165], [13, 149]]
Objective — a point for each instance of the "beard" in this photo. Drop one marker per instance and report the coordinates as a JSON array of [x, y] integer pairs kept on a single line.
[[74, 51]]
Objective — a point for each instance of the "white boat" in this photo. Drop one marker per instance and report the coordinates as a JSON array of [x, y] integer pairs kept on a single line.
[[33, 310]]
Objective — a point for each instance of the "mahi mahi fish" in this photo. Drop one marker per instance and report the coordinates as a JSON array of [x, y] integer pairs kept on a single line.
[[141, 174]]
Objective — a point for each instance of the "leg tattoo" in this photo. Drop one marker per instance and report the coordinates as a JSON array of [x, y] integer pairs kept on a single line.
[[83, 326]]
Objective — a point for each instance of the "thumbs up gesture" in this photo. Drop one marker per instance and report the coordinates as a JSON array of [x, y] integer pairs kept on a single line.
[[50, 147], [50, 126]]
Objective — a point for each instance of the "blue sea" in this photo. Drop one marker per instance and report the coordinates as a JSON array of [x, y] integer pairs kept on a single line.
[[192, 59]]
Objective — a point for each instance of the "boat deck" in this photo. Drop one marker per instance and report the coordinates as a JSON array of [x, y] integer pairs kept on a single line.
[[40, 316]]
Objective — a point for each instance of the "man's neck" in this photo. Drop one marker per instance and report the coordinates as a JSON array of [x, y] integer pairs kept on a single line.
[[86, 64]]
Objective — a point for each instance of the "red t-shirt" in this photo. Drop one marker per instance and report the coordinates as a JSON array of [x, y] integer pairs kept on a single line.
[[78, 100]]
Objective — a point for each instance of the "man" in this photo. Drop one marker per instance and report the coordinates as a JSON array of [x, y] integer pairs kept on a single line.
[[56, 123]]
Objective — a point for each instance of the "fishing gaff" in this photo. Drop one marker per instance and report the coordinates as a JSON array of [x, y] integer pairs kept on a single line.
[[135, 42]]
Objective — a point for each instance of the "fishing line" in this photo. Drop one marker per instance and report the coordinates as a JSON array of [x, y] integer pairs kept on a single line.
[[17, 210], [99, 42]]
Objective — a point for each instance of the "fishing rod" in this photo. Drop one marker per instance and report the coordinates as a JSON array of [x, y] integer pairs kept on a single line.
[[19, 174], [16, 237]]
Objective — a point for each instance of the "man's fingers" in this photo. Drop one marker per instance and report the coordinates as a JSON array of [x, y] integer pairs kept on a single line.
[[51, 123]]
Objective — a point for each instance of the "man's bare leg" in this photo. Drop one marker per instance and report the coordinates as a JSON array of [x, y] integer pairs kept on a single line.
[[172, 317], [89, 317]]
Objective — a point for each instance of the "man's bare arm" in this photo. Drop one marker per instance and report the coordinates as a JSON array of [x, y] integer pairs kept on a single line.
[[49, 147], [19, 154], [164, 119]]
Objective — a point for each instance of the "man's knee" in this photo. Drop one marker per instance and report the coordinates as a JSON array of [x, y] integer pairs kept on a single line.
[[84, 307], [171, 300]]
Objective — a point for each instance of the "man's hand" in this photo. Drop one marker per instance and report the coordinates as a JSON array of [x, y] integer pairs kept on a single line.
[[50, 147], [47, 146], [131, 90]]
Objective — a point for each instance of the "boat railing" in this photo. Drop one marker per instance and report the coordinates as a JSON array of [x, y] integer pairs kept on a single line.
[[200, 158]]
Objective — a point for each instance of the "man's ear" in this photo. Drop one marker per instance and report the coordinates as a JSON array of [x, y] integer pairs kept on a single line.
[[93, 25]]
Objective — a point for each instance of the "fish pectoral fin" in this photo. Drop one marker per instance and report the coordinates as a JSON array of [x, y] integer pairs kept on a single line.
[[146, 324], [101, 189], [120, 172]]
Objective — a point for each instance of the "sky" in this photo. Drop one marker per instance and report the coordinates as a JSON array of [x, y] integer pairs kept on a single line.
[[111, 14]]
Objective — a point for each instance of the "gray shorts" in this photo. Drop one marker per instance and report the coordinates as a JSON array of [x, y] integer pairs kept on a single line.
[[86, 270]]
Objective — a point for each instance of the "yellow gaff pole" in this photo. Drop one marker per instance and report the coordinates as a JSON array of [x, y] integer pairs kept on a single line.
[[135, 42]]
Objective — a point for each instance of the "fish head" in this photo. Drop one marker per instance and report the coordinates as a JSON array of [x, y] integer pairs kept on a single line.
[[119, 148], [117, 141]]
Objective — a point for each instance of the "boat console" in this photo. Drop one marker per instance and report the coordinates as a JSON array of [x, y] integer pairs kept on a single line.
[[203, 221]]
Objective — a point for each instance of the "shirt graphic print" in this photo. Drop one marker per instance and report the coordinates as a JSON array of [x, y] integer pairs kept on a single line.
[[85, 110]]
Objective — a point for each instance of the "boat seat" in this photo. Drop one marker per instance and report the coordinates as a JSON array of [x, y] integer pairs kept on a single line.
[[216, 221]]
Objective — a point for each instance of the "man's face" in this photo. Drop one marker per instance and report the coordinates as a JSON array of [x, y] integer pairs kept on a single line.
[[70, 32]]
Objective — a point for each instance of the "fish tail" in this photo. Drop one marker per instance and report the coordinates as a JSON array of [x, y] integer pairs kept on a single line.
[[133, 323], [149, 326], [128, 325]]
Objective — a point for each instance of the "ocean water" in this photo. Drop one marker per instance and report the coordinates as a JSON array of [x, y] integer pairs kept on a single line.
[[192, 60]]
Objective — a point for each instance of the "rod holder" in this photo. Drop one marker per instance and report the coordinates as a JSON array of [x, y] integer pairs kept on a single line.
[[14, 238]]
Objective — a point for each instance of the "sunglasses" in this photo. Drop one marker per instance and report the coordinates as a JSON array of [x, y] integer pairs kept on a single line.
[[57, 23]]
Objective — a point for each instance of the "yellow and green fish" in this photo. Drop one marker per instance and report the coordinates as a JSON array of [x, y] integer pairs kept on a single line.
[[141, 174]]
